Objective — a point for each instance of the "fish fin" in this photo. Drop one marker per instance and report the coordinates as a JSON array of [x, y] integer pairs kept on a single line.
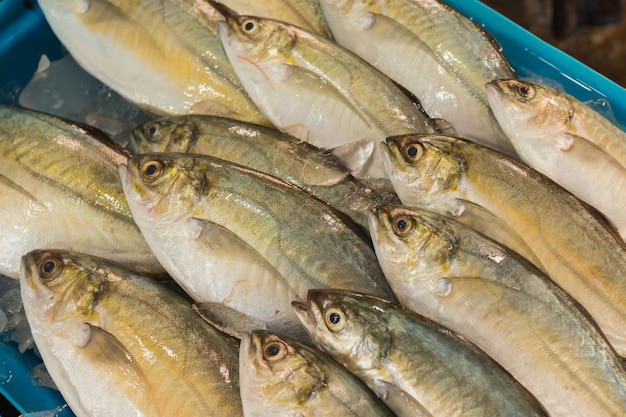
[[228, 320], [4, 180], [105, 351], [212, 107], [356, 155], [314, 173], [439, 126], [487, 223], [297, 130], [398, 400]]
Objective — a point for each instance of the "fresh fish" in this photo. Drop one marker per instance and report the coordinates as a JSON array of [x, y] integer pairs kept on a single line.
[[416, 366], [244, 243], [316, 171], [60, 187], [567, 141], [457, 277], [523, 210], [164, 56], [319, 92], [436, 53], [282, 377], [306, 14], [119, 344]]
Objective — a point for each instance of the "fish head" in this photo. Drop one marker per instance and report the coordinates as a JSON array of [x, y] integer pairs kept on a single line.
[[348, 326], [167, 134], [527, 108], [162, 186], [424, 169], [277, 370], [253, 40], [60, 288]]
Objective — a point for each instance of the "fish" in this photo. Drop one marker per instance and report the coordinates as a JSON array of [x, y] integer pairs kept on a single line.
[[417, 367], [315, 170], [102, 328], [242, 243], [451, 274], [521, 209], [306, 14], [567, 141], [60, 187], [436, 53], [164, 56], [317, 91], [280, 377]]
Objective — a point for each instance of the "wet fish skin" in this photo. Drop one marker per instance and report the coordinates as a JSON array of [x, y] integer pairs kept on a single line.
[[164, 56], [439, 55], [416, 366], [281, 377], [60, 187], [270, 151], [318, 91], [516, 205], [236, 237], [102, 327], [455, 276]]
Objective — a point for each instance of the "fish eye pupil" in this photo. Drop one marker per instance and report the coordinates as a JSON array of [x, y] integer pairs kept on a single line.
[[412, 151], [401, 224], [334, 318], [248, 26], [151, 169], [272, 350], [48, 267], [152, 130], [524, 90]]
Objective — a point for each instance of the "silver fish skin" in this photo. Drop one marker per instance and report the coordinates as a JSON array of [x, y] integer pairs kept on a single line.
[[244, 240], [316, 171], [306, 14], [164, 56], [449, 273], [416, 366], [439, 55], [318, 91], [523, 210], [104, 329], [60, 187], [567, 141], [280, 377]]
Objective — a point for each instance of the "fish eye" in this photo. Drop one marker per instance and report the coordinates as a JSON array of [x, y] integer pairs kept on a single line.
[[525, 91], [49, 268], [412, 152], [274, 351], [151, 170], [249, 26], [335, 319], [151, 130], [402, 225]]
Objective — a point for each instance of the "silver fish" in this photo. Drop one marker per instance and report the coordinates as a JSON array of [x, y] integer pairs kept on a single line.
[[118, 343], [439, 55], [487, 293], [522, 209], [320, 92], [60, 187], [282, 377], [270, 151], [416, 366], [245, 242]]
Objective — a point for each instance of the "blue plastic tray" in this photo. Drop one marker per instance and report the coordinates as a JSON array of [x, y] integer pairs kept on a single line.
[[25, 36]]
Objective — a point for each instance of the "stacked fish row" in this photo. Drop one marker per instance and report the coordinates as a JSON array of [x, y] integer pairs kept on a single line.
[[268, 231]]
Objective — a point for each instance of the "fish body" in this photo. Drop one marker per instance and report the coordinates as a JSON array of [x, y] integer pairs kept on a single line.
[[522, 209], [280, 377], [164, 56], [567, 141], [416, 366], [487, 293], [60, 187], [436, 53], [118, 343], [320, 173], [238, 238], [318, 91]]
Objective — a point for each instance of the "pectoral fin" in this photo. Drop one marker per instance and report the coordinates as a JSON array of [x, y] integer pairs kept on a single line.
[[228, 320], [400, 402]]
